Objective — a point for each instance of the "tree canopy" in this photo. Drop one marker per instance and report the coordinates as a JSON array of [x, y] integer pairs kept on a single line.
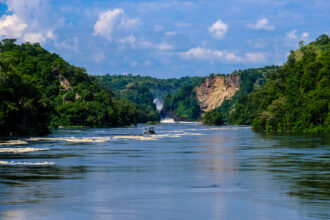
[[296, 96], [39, 89]]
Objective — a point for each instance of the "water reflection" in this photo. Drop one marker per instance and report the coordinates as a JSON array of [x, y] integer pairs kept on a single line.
[[302, 163], [222, 173]]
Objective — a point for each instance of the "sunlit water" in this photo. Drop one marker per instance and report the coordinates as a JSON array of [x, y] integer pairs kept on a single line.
[[186, 171]]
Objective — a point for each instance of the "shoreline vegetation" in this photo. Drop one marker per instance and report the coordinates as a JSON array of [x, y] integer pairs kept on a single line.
[[40, 91], [291, 98]]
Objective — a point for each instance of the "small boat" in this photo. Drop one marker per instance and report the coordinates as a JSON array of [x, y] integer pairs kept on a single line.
[[149, 131]]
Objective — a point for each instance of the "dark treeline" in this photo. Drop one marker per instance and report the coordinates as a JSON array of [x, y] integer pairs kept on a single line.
[[39, 90], [159, 88], [296, 96], [183, 105], [142, 90], [291, 98]]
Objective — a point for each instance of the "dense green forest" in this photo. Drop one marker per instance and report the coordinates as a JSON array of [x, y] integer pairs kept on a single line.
[[250, 80], [291, 98], [213, 117], [38, 90], [159, 88], [295, 98], [183, 105], [142, 90], [140, 95]]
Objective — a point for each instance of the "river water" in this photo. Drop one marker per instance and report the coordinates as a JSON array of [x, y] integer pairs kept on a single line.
[[186, 171]]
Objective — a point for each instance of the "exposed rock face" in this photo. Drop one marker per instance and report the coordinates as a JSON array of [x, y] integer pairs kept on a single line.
[[65, 83], [215, 89]]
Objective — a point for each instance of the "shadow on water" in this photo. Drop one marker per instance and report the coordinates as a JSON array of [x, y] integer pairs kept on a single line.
[[37, 156], [13, 174], [213, 174], [303, 162], [33, 184]]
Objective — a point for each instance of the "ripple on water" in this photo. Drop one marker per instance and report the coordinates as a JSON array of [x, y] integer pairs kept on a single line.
[[156, 136], [45, 163], [174, 134], [13, 142], [21, 150], [73, 139]]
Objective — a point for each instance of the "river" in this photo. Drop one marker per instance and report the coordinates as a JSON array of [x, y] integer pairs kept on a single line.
[[185, 171]]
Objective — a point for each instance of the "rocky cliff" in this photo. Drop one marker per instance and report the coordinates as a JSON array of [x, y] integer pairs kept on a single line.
[[215, 89]]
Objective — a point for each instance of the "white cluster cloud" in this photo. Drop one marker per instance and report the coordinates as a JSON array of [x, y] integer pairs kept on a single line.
[[98, 57], [27, 22], [112, 20], [11, 26], [305, 35], [262, 24], [160, 47], [293, 35], [256, 57], [208, 54], [128, 40], [292, 38], [70, 44], [172, 33], [147, 63], [218, 29], [164, 46]]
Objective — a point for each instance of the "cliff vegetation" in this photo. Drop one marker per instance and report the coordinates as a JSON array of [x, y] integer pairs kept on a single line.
[[296, 97], [39, 90]]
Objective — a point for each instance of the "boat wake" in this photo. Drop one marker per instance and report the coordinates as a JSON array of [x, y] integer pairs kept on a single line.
[[21, 150], [13, 163]]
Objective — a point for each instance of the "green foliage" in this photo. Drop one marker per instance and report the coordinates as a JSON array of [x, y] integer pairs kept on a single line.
[[250, 80], [213, 117], [23, 108], [142, 90], [296, 96], [182, 105], [159, 88], [39, 89], [139, 94]]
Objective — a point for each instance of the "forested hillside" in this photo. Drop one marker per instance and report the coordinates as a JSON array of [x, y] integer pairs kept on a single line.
[[184, 104], [159, 88], [142, 90], [291, 98], [140, 95], [296, 97], [39, 90], [250, 80]]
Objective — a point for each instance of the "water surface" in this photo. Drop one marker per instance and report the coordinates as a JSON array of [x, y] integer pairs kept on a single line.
[[186, 171]]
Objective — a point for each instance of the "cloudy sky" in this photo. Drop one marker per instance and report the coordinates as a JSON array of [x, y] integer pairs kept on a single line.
[[166, 38]]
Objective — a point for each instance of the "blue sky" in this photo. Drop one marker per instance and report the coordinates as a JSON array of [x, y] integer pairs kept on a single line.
[[166, 38]]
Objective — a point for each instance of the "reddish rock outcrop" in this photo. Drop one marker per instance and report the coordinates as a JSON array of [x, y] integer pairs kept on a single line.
[[215, 89]]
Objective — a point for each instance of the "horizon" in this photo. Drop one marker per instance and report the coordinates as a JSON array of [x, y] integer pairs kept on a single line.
[[166, 39]]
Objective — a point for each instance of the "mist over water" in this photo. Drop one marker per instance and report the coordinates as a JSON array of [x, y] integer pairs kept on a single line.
[[159, 104], [167, 120], [185, 171]]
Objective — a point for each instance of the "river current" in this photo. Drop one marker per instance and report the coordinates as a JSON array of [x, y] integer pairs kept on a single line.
[[185, 171]]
